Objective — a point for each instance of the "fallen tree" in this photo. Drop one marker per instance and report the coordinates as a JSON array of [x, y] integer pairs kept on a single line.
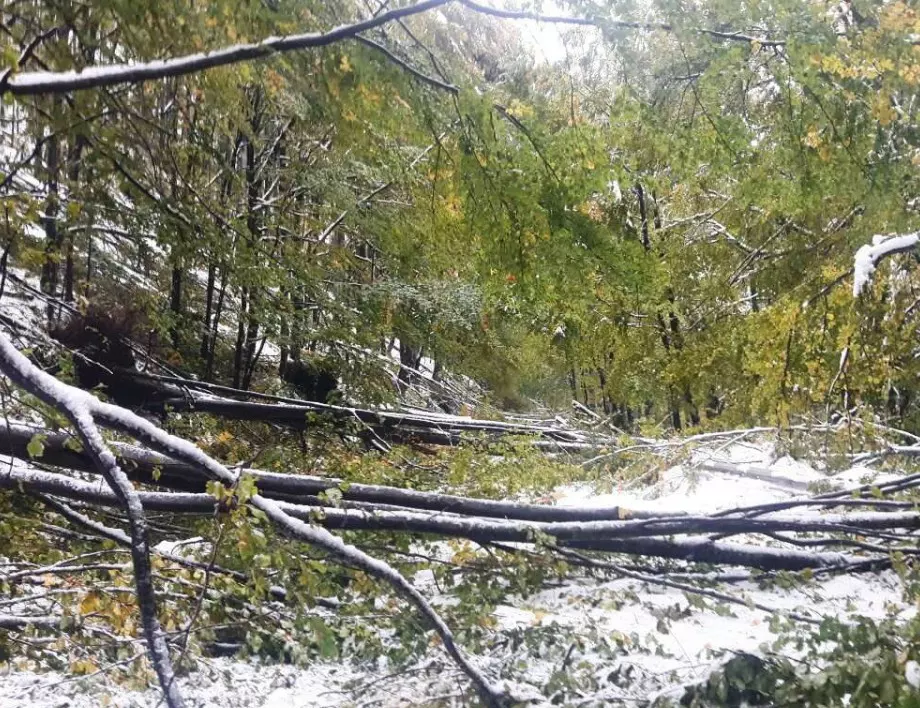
[[174, 476], [84, 410], [632, 537]]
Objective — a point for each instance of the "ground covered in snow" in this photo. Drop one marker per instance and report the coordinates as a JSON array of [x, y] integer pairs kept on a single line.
[[622, 641]]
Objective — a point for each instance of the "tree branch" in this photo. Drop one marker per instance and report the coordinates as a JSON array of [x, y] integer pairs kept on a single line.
[[48, 82], [868, 256], [83, 409], [77, 405], [616, 24]]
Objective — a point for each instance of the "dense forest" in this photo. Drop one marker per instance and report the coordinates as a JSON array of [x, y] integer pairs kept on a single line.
[[336, 337]]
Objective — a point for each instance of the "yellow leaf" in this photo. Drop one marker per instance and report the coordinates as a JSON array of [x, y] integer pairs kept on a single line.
[[882, 110], [911, 74], [812, 138], [90, 603], [82, 667]]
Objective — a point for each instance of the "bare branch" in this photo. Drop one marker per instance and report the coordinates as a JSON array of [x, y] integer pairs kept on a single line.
[[616, 24], [77, 405]]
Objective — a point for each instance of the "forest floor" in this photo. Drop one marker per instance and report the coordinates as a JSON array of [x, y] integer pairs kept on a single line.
[[639, 640]]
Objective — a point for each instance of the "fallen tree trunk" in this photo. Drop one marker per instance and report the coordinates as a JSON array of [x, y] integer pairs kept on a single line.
[[153, 468], [189, 395], [630, 537], [18, 622], [389, 426]]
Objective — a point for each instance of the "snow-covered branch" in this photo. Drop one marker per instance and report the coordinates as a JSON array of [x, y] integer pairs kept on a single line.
[[616, 24], [33, 83], [84, 410], [78, 406], [868, 256], [48, 82]]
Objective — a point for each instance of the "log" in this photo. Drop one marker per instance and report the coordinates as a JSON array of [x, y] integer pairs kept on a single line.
[[618, 537], [146, 466]]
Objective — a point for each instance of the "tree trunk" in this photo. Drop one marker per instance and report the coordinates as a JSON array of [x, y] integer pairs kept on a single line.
[[208, 306], [252, 335], [215, 324], [175, 304], [246, 343], [285, 335], [48, 282], [239, 351], [76, 154]]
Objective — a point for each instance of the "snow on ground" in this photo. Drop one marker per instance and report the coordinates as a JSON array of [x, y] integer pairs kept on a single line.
[[218, 682], [704, 483], [600, 626]]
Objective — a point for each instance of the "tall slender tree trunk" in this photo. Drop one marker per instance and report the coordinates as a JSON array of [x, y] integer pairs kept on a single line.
[[209, 335], [215, 324], [248, 331], [74, 157], [48, 282], [175, 304], [208, 306], [239, 351], [89, 264], [285, 333], [671, 335], [602, 381], [252, 336]]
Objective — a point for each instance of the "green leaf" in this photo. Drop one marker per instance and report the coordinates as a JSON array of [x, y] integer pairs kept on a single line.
[[36, 446], [73, 444], [334, 496]]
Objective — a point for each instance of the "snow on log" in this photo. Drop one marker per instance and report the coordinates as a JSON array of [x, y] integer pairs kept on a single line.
[[622, 537], [150, 467], [84, 410]]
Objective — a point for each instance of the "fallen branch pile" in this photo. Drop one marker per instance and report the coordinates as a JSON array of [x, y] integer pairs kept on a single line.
[[397, 426], [79, 481]]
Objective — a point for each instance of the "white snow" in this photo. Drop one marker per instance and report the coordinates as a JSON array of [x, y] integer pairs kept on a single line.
[[912, 673], [704, 484], [868, 256]]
